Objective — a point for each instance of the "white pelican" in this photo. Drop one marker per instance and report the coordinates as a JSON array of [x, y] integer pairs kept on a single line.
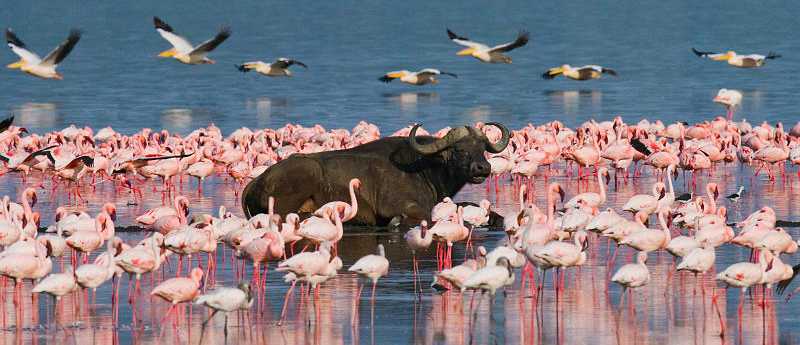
[[744, 61], [485, 53], [34, 65], [578, 73], [731, 99], [182, 50], [423, 77], [279, 68]]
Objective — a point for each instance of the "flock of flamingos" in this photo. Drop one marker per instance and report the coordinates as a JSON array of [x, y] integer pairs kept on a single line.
[[552, 237]]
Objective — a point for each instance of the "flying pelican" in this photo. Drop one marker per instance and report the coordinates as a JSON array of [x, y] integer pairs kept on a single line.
[[578, 73], [730, 99], [34, 65], [485, 53], [279, 68], [182, 50], [743, 61], [423, 77]]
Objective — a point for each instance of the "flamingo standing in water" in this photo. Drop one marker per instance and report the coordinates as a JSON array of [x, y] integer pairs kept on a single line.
[[372, 267], [591, 199], [418, 238], [179, 290], [88, 240], [202, 169], [226, 300], [731, 99], [744, 275], [172, 221], [632, 275], [143, 258], [448, 232], [57, 284]]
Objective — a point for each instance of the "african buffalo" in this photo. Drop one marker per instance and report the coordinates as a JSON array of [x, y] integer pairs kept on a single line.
[[400, 177]]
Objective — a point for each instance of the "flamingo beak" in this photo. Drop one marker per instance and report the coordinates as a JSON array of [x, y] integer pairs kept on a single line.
[[33, 200], [561, 193]]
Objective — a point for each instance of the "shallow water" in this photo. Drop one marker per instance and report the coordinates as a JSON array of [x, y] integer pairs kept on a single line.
[[672, 308], [113, 78]]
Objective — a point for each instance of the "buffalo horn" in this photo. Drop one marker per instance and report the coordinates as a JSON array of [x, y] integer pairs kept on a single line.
[[502, 143]]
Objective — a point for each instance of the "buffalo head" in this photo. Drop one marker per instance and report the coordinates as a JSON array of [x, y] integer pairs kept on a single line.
[[461, 150]]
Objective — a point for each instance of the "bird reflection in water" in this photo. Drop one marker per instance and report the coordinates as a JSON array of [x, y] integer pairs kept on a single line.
[[408, 101], [36, 115], [571, 101]]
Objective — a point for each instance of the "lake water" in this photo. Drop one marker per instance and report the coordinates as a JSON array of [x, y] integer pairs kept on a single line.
[[113, 78]]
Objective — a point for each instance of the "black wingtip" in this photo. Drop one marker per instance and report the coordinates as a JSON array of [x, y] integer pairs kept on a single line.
[[225, 31], [773, 55], [385, 79], [241, 68], [610, 71], [160, 24], [697, 52], [547, 75], [453, 36], [785, 283], [640, 146], [12, 38]]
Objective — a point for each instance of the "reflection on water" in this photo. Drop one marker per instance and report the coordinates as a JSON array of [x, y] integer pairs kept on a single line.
[[408, 101], [571, 100], [264, 106], [36, 115], [674, 308]]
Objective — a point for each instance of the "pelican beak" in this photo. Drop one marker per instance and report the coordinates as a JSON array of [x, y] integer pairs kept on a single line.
[[725, 57], [16, 65], [466, 52], [167, 53], [555, 71]]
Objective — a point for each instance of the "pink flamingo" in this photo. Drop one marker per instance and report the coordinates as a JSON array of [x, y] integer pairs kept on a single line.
[[143, 258], [445, 210], [372, 267], [179, 290], [175, 221], [418, 238], [151, 215], [202, 169], [88, 241], [346, 211]]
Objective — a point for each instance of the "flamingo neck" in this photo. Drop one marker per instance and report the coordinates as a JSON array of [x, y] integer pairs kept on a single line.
[[353, 201]]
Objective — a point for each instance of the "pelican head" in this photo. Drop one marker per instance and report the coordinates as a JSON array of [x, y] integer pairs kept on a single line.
[[466, 52], [168, 53]]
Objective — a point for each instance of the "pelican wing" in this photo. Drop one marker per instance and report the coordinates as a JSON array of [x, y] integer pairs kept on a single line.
[[522, 39], [430, 71], [460, 40], [209, 45], [284, 63], [181, 44], [18, 47], [703, 54], [57, 55]]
